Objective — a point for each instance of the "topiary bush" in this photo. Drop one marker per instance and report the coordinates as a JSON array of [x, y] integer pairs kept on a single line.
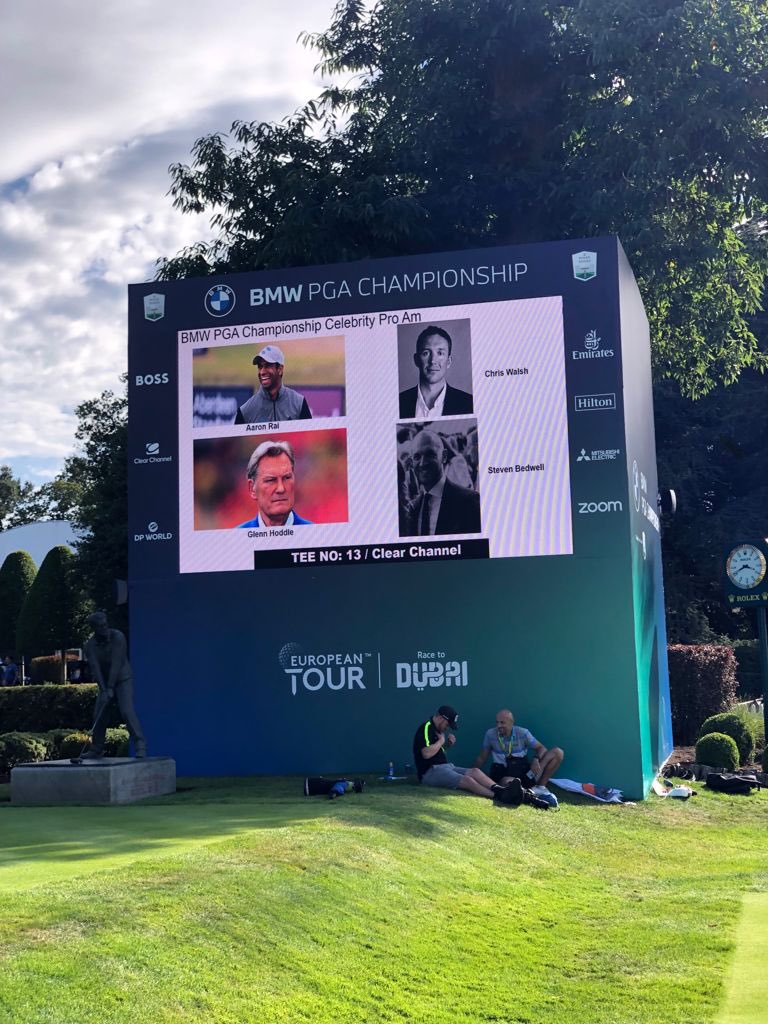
[[71, 744], [718, 751], [53, 706], [18, 747], [115, 743], [734, 726], [702, 682]]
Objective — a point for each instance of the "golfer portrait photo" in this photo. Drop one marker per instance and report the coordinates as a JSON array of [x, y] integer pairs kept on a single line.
[[438, 357]]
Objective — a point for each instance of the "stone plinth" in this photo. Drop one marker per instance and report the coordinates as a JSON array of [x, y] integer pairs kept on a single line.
[[111, 780]]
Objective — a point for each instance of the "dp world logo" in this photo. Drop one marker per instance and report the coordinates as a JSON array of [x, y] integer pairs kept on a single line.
[[219, 300]]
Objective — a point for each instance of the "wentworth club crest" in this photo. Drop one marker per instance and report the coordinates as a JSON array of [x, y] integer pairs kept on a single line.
[[584, 265], [154, 306]]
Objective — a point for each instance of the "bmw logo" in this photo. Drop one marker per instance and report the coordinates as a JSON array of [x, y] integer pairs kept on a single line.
[[220, 300]]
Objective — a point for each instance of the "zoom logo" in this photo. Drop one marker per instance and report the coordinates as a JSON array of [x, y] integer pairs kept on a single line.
[[143, 380], [588, 508]]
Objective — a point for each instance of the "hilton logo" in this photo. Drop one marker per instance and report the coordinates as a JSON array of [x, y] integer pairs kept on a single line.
[[594, 403]]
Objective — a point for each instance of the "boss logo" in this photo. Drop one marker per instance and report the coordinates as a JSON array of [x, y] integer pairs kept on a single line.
[[151, 378]]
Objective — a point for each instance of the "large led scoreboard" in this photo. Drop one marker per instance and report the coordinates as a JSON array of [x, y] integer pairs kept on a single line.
[[361, 490]]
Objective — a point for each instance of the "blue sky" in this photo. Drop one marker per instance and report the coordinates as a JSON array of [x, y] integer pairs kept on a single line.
[[100, 96]]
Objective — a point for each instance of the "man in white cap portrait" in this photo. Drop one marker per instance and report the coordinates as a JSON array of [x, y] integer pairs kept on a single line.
[[274, 401]]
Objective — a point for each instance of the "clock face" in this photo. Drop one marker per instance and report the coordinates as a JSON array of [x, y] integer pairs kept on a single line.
[[745, 566]]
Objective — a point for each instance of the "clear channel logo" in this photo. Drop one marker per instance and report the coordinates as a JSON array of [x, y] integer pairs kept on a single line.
[[589, 508], [152, 454], [592, 349], [219, 300], [310, 673], [153, 533]]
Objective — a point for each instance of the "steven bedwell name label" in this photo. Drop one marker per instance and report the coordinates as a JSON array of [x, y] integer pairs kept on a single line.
[[518, 468]]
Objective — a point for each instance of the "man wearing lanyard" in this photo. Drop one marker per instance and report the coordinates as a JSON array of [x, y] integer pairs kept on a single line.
[[508, 744], [432, 765]]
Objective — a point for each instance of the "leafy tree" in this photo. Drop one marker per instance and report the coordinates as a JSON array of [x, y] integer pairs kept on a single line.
[[714, 454], [12, 492], [51, 617], [57, 499], [100, 472], [458, 123], [17, 574]]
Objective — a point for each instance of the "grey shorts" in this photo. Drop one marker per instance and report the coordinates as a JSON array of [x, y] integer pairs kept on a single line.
[[447, 776]]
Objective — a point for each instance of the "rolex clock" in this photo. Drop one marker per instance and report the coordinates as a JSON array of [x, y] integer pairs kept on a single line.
[[745, 572], [745, 566]]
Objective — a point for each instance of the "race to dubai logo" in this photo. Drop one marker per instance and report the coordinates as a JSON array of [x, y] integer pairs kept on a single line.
[[584, 265]]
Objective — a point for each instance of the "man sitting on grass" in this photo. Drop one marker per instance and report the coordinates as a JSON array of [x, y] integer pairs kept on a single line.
[[509, 744], [434, 768]]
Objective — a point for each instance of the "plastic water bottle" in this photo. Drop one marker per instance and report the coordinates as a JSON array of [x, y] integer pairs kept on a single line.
[[391, 770]]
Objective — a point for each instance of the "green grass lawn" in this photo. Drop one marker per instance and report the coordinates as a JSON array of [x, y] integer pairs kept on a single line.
[[241, 901]]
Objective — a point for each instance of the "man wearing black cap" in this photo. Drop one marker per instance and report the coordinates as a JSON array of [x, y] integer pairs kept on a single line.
[[274, 401], [434, 768]]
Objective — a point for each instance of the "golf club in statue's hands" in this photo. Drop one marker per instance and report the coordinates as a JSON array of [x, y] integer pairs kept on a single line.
[[106, 653]]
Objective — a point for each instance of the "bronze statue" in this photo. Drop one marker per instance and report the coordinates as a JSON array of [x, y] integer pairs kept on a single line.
[[107, 656]]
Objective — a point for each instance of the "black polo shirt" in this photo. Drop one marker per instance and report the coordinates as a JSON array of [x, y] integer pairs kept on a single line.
[[423, 764]]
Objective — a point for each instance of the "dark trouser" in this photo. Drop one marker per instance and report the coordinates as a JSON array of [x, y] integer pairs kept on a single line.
[[516, 768], [124, 696]]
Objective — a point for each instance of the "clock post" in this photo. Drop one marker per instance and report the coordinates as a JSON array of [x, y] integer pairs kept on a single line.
[[746, 585]]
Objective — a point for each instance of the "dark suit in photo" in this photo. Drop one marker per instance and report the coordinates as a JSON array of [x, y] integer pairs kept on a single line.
[[457, 402], [459, 512]]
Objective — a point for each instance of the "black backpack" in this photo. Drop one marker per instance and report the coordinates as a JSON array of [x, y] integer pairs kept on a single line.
[[724, 782], [316, 785]]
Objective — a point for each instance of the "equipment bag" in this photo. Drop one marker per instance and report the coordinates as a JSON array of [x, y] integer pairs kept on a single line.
[[724, 782], [316, 785]]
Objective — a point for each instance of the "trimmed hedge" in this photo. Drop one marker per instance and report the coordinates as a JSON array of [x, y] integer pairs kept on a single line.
[[702, 682], [718, 751], [734, 726], [51, 706], [18, 747]]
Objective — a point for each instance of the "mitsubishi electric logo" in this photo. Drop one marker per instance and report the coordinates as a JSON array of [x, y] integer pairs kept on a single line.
[[592, 348], [599, 455], [219, 300], [324, 671]]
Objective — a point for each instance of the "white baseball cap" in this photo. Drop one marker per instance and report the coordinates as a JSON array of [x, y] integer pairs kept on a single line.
[[270, 354]]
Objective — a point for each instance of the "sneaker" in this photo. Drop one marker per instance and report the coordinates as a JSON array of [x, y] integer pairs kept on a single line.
[[544, 794], [512, 793]]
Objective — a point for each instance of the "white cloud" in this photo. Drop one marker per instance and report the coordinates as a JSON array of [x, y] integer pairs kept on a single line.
[[104, 100]]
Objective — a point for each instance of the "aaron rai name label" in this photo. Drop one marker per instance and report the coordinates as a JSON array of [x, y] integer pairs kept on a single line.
[[518, 467]]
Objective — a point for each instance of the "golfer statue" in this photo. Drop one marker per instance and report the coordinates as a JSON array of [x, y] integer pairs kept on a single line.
[[107, 656]]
